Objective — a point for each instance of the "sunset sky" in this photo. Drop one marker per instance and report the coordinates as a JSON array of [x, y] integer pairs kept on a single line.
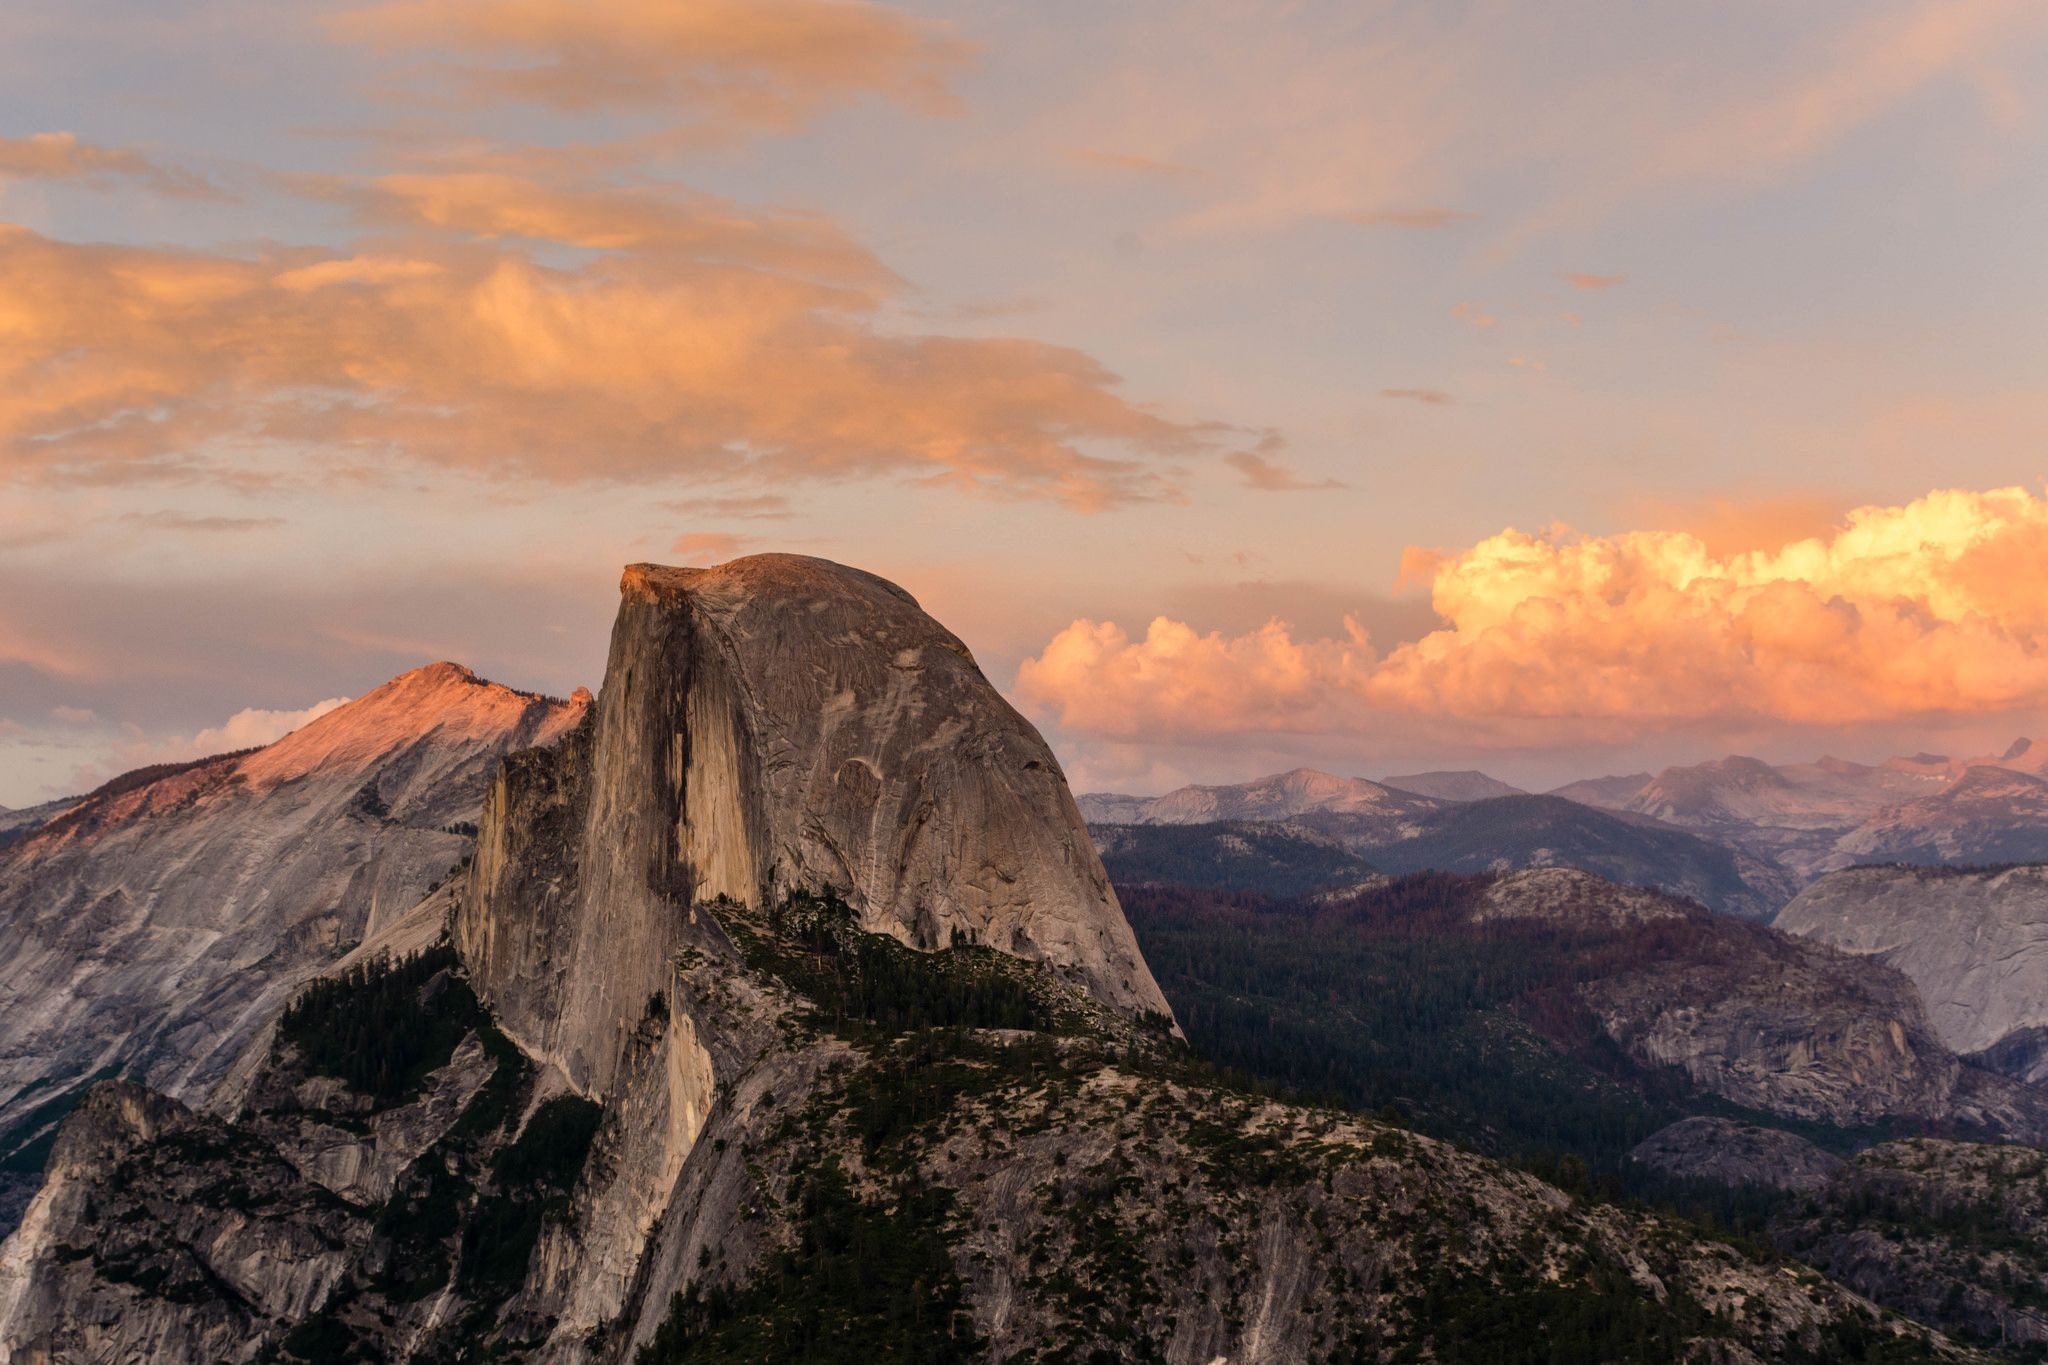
[[1554, 389]]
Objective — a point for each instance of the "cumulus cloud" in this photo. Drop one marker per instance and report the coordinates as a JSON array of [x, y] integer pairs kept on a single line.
[[724, 66], [122, 361], [62, 156], [1925, 610]]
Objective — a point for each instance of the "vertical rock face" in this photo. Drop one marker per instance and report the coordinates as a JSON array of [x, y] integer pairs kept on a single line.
[[1974, 940], [773, 726]]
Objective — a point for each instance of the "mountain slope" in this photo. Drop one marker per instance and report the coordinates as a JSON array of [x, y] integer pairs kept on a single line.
[[1793, 813], [698, 1077], [1464, 785], [1989, 815], [1548, 1010], [1608, 793], [1283, 796], [1548, 831], [155, 925], [1274, 858]]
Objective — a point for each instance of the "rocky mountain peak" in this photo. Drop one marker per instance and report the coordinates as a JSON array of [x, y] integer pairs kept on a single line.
[[773, 727], [444, 699]]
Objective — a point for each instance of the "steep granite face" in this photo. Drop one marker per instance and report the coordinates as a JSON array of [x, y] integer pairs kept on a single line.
[[154, 926], [1762, 1018], [1974, 941], [775, 726]]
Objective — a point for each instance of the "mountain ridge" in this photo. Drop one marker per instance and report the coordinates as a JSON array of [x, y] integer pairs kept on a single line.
[[158, 919]]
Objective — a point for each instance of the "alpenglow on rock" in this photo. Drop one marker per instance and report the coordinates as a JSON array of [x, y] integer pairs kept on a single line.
[[774, 726], [153, 927]]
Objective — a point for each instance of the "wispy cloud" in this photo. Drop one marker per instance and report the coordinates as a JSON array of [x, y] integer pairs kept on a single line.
[[745, 506], [186, 521], [1433, 397], [709, 545], [479, 356], [500, 205], [1270, 476], [723, 68], [1578, 280], [62, 156]]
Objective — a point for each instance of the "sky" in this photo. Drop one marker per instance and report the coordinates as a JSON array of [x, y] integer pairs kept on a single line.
[[1552, 389]]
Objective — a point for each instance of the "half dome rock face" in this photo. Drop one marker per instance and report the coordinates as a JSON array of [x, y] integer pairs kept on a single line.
[[153, 926], [775, 726]]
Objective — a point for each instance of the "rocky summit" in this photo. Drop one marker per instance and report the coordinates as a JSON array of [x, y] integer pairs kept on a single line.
[[785, 1013]]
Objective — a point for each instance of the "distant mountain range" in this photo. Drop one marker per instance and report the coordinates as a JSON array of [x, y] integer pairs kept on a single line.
[[1765, 828], [1465, 785], [1309, 847]]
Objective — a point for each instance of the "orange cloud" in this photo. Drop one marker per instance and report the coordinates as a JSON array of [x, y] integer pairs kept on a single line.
[[1434, 397], [1578, 280], [1269, 476], [1923, 610], [61, 156], [709, 546], [121, 361], [497, 205], [722, 66], [1734, 526]]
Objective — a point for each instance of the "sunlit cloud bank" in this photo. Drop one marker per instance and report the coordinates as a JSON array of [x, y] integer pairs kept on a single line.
[[561, 312], [126, 361], [1932, 609]]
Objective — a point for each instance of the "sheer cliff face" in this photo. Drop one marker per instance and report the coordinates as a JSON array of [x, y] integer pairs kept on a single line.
[[777, 725], [155, 925], [1975, 941]]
